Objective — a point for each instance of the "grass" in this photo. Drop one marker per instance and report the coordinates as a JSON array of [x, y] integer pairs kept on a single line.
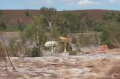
[[12, 29]]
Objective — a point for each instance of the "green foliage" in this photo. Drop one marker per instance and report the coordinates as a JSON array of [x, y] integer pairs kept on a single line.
[[35, 32], [21, 25], [3, 22], [72, 23], [68, 23], [53, 34], [74, 40], [17, 48], [3, 26], [62, 24], [49, 16], [12, 47], [12, 29], [1, 12], [34, 52], [111, 29], [99, 28], [87, 39], [111, 33], [111, 16], [27, 13], [89, 23], [48, 12]]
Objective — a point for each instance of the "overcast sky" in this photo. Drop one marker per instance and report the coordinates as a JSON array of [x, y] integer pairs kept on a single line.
[[61, 4]]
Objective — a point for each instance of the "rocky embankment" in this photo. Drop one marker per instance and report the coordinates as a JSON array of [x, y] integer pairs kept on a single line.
[[91, 66]]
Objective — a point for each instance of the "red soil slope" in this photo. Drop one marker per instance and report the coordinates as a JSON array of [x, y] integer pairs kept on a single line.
[[14, 15]]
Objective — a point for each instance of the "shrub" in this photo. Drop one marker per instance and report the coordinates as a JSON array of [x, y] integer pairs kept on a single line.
[[34, 52], [86, 39], [74, 40], [111, 34]]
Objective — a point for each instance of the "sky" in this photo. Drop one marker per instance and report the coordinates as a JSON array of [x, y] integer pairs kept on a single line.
[[60, 4]]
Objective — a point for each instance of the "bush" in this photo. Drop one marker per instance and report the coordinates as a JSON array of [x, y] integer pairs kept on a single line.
[[12, 28], [111, 34], [98, 28], [34, 52], [87, 39], [74, 40]]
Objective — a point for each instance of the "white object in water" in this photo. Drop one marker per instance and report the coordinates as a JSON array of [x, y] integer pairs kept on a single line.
[[51, 43]]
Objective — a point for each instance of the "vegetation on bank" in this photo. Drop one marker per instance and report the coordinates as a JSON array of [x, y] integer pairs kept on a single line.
[[49, 26]]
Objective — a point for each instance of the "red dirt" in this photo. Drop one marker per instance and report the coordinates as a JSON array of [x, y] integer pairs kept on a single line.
[[14, 15]]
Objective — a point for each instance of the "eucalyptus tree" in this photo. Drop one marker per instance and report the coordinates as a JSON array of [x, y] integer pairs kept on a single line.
[[35, 32], [66, 23], [80, 22], [111, 33], [20, 23], [27, 13], [90, 23], [3, 21], [111, 16], [49, 14], [69, 22]]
